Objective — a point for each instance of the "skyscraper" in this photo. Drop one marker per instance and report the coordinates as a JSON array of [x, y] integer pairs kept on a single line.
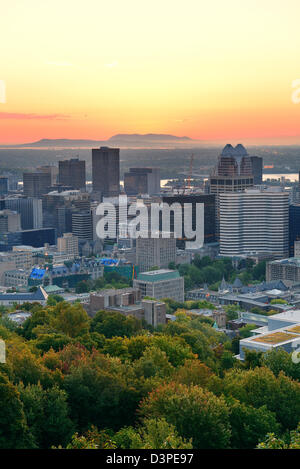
[[106, 171], [142, 181], [72, 173], [254, 221], [36, 184], [257, 169], [9, 221], [233, 173], [30, 210], [209, 214], [157, 252], [82, 225], [294, 224], [3, 185]]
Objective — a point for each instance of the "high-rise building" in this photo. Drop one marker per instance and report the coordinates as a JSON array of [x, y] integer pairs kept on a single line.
[[68, 244], [294, 227], [30, 210], [209, 201], [106, 171], [72, 173], [142, 181], [52, 169], [9, 221], [39, 237], [254, 221], [59, 206], [4, 185], [157, 252], [233, 173], [257, 169], [36, 184], [82, 225]]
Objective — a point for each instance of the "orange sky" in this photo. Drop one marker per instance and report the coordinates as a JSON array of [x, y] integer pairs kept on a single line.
[[208, 70]]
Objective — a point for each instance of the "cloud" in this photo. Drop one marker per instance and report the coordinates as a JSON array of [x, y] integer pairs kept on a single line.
[[59, 64], [180, 121], [27, 116], [111, 65]]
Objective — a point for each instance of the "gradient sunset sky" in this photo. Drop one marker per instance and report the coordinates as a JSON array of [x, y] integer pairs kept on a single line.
[[206, 69]]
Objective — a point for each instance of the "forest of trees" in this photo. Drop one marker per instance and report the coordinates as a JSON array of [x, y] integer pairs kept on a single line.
[[70, 381], [209, 271]]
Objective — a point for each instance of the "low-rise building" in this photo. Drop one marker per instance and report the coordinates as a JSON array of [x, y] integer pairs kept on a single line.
[[16, 278], [281, 332], [287, 270], [9, 299], [162, 283], [127, 301]]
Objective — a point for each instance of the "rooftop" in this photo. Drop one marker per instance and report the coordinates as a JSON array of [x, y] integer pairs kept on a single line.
[[275, 338], [157, 275]]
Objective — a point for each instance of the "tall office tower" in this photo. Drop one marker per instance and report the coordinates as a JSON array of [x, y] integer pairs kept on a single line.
[[157, 252], [39, 237], [9, 221], [254, 221], [142, 181], [30, 210], [68, 243], [72, 173], [82, 225], [117, 221], [106, 171], [3, 185], [209, 201], [59, 206], [36, 184], [12, 180], [233, 173], [257, 169], [294, 227], [52, 169]]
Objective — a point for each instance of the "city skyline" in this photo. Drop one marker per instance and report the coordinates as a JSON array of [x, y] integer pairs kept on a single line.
[[208, 71]]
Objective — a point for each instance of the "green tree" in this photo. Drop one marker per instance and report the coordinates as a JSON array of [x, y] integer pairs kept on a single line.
[[72, 320], [260, 387], [195, 412], [14, 432], [273, 442], [47, 415], [154, 434], [249, 425], [112, 324]]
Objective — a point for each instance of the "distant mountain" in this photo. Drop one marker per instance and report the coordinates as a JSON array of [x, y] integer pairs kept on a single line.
[[121, 140], [61, 142], [148, 138]]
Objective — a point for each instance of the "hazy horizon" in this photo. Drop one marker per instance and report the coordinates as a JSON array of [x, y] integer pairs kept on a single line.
[[218, 71]]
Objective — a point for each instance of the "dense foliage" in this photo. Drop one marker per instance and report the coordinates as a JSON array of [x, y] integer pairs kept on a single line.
[[108, 382]]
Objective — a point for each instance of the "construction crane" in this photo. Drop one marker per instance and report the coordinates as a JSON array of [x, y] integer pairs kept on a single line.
[[190, 174]]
